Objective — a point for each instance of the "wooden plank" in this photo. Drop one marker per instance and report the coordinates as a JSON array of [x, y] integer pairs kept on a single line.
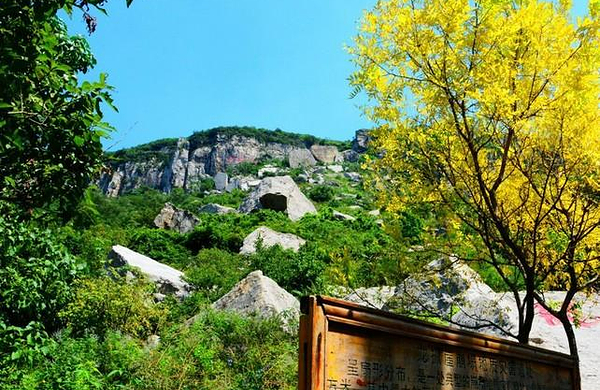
[[358, 348]]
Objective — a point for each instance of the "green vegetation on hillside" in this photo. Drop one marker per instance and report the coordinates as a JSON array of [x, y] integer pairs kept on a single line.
[[160, 150]]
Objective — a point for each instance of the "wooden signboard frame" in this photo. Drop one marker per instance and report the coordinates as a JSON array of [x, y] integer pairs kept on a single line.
[[336, 333]]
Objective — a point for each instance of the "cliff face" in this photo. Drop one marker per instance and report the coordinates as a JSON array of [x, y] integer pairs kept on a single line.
[[186, 162]]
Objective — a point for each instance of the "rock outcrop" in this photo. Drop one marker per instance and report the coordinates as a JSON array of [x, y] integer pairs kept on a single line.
[[361, 140], [174, 218], [213, 208], [326, 154], [260, 295], [167, 279], [299, 158], [268, 238], [279, 193]]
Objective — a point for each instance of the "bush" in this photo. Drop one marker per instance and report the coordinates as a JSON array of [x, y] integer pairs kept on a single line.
[[222, 350], [321, 193], [213, 272], [103, 304]]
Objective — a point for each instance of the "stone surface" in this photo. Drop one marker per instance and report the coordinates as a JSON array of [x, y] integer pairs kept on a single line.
[[375, 213], [301, 158], [214, 208], [168, 279], [350, 155], [269, 238], [278, 193], [374, 297], [342, 216], [258, 294], [353, 176], [326, 154], [221, 180], [268, 171], [336, 168], [174, 218], [361, 140]]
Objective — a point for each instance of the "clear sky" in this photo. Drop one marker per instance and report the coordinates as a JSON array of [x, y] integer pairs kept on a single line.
[[188, 65]]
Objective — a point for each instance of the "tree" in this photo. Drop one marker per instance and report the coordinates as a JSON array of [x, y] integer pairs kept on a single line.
[[50, 123], [489, 111]]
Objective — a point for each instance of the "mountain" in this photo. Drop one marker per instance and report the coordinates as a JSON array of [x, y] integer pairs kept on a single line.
[[186, 162]]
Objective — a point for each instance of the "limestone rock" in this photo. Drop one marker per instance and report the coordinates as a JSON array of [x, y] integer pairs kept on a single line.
[[342, 216], [214, 208], [221, 180], [336, 168], [279, 193], [445, 286], [175, 174], [374, 297], [269, 238], [326, 154], [301, 158], [350, 155], [174, 218], [361, 140], [168, 279], [268, 171], [352, 176], [258, 294]]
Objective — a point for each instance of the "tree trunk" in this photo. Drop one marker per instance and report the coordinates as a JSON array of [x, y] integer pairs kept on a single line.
[[568, 326]]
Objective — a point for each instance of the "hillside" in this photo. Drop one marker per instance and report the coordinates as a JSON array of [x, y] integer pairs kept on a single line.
[[186, 162]]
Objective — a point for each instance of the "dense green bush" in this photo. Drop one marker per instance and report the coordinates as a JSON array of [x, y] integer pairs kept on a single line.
[[103, 304], [321, 193], [222, 350], [213, 272]]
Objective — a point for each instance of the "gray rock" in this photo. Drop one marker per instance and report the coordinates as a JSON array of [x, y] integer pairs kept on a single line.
[[174, 218], [301, 158], [258, 294], [302, 178], [374, 213], [446, 286], [353, 176], [269, 238], [168, 279], [326, 154], [350, 155], [221, 180], [175, 174], [336, 168], [361, 140], [268, 171], [342, 216], [374, 297], [213, 208], [279, 193]]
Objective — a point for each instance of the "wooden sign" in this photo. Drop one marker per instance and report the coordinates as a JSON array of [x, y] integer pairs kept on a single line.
[[344, 346]]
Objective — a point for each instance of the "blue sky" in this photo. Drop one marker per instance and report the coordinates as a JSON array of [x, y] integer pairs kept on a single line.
[[188, 65]]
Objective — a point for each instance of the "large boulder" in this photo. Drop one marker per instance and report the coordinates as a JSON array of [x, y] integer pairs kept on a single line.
[[361, 140], [174, 218], [326, 154], [167, 279], [451, 290], [269, 238], [279, 193], [258, 294], [374, 297], [301, 158], [214, 208], [221, 180]]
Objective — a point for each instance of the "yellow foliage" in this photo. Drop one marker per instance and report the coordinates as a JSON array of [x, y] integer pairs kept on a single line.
[[491, 108]]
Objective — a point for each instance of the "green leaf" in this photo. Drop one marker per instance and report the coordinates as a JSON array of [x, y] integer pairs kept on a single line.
[[78, 140], [5, 105]]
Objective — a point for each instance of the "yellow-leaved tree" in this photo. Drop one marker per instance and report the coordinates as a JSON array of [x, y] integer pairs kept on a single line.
[[489, 111]]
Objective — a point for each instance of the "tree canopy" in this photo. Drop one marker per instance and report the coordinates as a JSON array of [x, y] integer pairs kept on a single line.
[[489, 110], [50, 122]]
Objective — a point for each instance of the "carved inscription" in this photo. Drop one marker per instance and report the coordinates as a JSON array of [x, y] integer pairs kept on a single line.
[[382, 361]]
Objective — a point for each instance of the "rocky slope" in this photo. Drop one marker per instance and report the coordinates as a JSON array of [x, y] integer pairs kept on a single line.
[[186, 162]]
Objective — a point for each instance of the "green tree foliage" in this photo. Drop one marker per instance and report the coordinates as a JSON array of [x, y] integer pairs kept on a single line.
[[50, 123]]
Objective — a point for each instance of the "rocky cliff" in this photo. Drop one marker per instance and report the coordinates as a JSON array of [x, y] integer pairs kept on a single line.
[[184, 163]]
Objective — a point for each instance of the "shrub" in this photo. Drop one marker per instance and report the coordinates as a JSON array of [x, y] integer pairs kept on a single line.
[[321, 193], [104, 304]]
